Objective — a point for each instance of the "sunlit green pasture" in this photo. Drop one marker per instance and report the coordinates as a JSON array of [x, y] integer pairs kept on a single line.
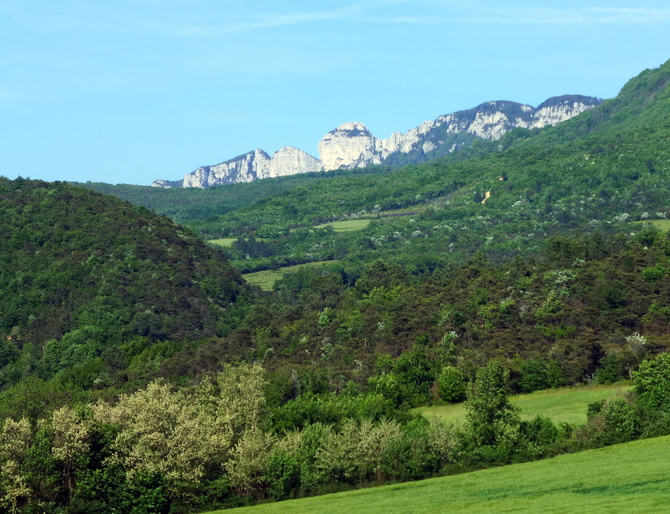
[[346, 226], [631, 477], [267, 278], [663, 225], [564, 405], [227, 242]]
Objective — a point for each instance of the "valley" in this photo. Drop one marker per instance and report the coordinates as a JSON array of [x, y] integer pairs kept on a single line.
[[429, 325]]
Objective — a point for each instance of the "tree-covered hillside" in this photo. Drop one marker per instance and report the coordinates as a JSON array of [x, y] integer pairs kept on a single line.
[[196, 207], [598, 171], [565, 316], [88, 281], [606, 167], [624, 135]]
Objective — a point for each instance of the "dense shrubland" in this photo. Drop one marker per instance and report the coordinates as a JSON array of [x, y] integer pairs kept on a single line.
[[584, 309], [218, 443]]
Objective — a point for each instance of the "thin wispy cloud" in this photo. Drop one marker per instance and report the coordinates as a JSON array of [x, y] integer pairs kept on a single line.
[[584, 15], [618, 14], [553, 16], [265, 21], [440, 13]]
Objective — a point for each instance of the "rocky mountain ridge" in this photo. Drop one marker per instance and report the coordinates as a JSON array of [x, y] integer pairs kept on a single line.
[[253, 166], [352, 145]]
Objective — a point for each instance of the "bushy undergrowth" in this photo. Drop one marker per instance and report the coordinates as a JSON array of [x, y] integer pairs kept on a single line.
[[221, 444]]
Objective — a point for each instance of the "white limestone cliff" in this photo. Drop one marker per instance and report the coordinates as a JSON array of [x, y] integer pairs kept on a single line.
[[244, 168], [289, 161], [552, 115], [252, 166], [491, 125], [352, 145], [165, 184]]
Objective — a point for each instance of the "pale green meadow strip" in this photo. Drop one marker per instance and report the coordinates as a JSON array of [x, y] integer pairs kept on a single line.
[[562, 405], [632, 477]]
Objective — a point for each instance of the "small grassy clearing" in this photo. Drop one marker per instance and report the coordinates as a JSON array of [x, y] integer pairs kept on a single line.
[[227, 242], [267, 278], [563, 405], [346, 226], [631, 477], [663, 225]]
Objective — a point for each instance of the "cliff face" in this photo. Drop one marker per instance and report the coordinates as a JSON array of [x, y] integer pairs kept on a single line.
[[352, 145], [290, 160], [252, 166]]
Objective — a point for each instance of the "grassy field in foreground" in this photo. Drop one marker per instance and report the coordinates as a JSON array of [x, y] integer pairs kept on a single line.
[[266, 279], [632, 477], [564, 405]]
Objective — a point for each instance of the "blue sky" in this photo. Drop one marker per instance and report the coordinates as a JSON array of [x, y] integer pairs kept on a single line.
[[129, 91]]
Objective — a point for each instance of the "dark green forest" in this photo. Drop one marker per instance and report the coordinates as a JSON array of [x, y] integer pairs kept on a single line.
[[141, 373], [84, 274]]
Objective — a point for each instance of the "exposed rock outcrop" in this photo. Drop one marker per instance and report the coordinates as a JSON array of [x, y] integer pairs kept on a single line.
[[252, 166], [352, 145], [167, 184], [290, 160]]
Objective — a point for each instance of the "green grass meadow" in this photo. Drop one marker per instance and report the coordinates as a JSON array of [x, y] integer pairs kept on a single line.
[[631, 477], [663, 225], [346, 226], [563, 405], [225, 242], [267, 278], [338, 226]]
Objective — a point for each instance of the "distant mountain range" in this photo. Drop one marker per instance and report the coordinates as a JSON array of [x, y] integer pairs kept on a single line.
[[352, 145]]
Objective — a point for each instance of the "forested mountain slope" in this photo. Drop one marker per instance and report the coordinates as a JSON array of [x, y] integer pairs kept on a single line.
[[634, 124], [600, 170], [194, 207], [82, 274], [642, 105]]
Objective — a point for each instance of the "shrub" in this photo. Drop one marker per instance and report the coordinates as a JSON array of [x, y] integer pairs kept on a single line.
[[534, 375], [537, 437], [611, 369], [654, 273], [282, 474], [652, 382], [617, 422], [451, 385], [389, 385], [422, 449]]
